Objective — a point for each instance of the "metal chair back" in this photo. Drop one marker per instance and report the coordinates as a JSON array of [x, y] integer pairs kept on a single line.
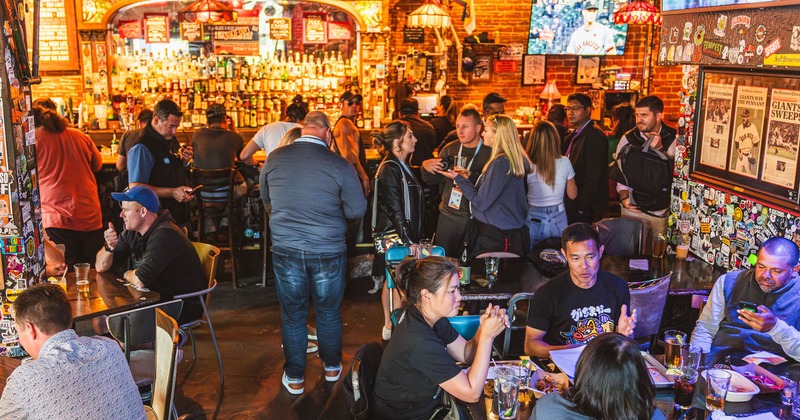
[[620, 237], [649, 299]]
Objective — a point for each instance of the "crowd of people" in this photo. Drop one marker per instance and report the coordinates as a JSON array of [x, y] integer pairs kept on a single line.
[[467, 183]]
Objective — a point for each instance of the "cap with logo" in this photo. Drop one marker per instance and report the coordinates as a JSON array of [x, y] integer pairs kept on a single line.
[[140, 194]]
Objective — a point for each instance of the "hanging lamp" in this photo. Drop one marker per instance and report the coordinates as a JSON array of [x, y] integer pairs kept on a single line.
[[208, 11], [428, 15], [638, 12]]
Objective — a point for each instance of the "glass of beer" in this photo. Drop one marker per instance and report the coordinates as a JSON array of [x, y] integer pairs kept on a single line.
[[675, 340], [659, 246], [717, 383], [82, 277]]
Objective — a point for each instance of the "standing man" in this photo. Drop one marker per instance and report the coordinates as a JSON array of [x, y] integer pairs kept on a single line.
[[423, 131], [347, 139], [130, 136], [493, 104], [308, 227], [592, 38], [649, 127], [587, 149], [472, 154], [270, 135], [747, 137], [151, 162], [577, 306], [67, 376], [725, 328]]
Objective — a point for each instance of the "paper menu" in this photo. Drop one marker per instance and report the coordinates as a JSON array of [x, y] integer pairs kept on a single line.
[[567, 359]]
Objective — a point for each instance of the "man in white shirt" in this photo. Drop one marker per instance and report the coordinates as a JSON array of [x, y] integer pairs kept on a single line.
[[724, 328], [747, 138], [592, 38]]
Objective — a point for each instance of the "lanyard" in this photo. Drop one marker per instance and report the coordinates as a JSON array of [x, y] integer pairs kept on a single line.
[[477, 149], [577, 133]]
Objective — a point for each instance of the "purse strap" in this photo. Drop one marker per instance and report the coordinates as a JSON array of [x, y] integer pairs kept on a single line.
[[407, 207]]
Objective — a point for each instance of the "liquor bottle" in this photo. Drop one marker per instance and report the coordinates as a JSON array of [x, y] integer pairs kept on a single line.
[[466, 271], [114, 144]]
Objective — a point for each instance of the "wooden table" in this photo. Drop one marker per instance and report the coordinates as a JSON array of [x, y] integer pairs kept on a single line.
[[106, 296], [7, 365]]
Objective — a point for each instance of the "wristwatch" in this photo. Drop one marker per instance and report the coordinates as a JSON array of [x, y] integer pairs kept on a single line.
[[107, 248]]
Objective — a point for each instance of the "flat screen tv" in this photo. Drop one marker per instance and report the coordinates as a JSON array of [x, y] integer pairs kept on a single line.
[[683, 5], [579, 28]]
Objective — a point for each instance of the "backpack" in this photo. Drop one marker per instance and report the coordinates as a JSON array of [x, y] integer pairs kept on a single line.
[[647, 171], [358, 383]]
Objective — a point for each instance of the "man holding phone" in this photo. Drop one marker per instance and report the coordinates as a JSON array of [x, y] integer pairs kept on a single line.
[[754, 310]]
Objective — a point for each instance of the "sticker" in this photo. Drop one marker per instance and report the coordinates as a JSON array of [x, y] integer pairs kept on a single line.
[[722, 22], [737, 214], [678, 52], [794, 44], [663, 55], [687, 52], [759, 50], [687, 31], [733, 55], [671, 54], [713, 49], [11, 245], [699, 34], [761, 33], [772, 47], [673, 35]]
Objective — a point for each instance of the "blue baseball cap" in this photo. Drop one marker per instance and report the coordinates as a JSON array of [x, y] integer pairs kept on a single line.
[[140, 194]]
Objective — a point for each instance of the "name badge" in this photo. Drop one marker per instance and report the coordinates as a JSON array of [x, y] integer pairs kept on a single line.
[[455, 198]]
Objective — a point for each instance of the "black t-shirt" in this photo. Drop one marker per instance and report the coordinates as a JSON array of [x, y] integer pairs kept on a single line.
[[446, 185], [572, 315], [216, 148], [412, 367]]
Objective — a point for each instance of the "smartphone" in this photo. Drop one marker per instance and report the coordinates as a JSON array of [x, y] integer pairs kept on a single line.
[[748, 306], [194, 190]]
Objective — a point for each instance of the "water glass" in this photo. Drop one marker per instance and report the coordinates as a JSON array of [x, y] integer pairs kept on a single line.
[[690, 356], [425, 248], [492, 264], [717, 383], [506, 383], [675, 340], [659, 246]]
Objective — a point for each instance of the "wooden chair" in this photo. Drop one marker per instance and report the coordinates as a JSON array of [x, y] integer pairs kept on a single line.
[[208, 258], [165, 367], [649, 299], [216, 196]]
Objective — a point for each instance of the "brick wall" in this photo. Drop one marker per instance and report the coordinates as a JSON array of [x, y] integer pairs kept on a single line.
[[508, 22]]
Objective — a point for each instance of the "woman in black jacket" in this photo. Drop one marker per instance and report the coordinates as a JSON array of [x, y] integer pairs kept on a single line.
[[399, 197]]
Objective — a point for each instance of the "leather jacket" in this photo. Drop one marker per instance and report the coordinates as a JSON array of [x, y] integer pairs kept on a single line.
[[391, 204]]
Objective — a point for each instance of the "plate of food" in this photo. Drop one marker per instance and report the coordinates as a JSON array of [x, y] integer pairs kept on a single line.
[[741, 389], [658, 372], [544, 382], [765, 380]]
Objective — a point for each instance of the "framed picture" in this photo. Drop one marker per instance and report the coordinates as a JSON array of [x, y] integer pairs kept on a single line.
[[588, 70], [483, 69], [533, 69]]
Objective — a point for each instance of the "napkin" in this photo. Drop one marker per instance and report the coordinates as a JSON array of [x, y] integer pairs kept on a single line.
[[641, 264], [567, 359], [765, 357]]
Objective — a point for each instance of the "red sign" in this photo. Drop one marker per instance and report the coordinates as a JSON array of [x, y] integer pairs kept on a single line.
[[236, 48], [156, 28], [131, 29], [506, 66], [339, 30]]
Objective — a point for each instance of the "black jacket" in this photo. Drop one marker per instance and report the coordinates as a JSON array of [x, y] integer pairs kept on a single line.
[[391, 203], [589, 157]]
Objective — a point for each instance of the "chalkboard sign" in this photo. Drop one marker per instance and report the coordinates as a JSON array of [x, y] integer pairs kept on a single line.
[[314, 28], [413, 35], [156, 28], [192, 31], [280, 29]]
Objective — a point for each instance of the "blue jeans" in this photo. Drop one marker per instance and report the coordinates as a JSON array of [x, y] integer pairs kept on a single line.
[[299, 274], [546, 222]]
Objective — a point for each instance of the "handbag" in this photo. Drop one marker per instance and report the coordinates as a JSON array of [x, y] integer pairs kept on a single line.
[[448, 410], [389, 238]]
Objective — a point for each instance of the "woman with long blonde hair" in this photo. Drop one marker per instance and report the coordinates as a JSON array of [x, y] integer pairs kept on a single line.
[[498, 198], [552, 176]]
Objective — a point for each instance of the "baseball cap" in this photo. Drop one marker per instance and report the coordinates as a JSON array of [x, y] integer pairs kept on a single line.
[[140, 194], [409, 106], [746, 113], [494, 98], [587, 5], [350, 96], [215, 111]]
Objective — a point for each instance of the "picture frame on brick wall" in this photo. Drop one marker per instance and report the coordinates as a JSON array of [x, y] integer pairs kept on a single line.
[[588, 71], [533, 69], [483, 69]]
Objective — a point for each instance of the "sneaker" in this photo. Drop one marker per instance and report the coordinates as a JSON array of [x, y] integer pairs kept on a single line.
[[378, 284], [386, 334], [294, 386], [312, 347], [312, 333], [332, 373]]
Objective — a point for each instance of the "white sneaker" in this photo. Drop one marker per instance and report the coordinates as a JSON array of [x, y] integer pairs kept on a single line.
[[386, 334], [378, 280]]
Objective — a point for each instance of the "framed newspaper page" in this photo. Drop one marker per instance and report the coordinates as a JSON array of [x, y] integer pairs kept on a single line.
[[747, 130]]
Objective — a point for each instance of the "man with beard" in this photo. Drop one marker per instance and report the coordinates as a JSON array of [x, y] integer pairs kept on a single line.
[[726, 327]]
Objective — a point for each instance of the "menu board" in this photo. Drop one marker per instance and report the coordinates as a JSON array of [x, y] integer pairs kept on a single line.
[[314, 28], [339, 30], [131, 29], [58, 46], [192, 31], [280, 29], [156, 28]]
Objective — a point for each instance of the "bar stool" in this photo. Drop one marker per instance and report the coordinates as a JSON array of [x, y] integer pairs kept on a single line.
[[216, 198]]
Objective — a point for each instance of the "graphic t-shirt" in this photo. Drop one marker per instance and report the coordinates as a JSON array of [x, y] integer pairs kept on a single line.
[[572, 315]]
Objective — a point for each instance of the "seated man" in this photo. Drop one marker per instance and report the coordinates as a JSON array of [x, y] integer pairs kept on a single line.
[[577, 306], [725, 329], [69, 376], [152, 252]]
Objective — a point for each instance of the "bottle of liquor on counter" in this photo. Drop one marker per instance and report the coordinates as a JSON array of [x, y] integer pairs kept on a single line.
[[466, 271], [114, 144]]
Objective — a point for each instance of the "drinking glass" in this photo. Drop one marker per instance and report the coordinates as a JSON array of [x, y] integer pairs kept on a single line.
[[685, 386], [82, 277], [672, 356], [690, 356], [506, 383], [659, 246], [425, 248], [789, 391], [491, 268], [717, 383]]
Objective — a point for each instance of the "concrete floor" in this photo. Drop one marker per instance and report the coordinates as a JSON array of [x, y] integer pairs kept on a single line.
[[248, 329]]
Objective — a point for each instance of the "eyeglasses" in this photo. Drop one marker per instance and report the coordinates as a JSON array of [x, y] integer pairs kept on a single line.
[[574, 108], [354, 101]]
